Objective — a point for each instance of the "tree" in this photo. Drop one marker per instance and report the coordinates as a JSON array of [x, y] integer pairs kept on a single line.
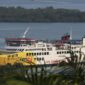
[[74, 69]]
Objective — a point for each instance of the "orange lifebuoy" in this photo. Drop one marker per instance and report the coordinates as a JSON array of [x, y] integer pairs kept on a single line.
[[29, 59]]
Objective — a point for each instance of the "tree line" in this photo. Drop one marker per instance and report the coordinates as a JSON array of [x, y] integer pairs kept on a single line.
[[49, 14]]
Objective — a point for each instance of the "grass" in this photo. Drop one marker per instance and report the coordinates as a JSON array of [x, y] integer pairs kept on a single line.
[[16, 82]]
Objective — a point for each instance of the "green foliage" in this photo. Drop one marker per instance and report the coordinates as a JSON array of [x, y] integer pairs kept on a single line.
[[16, 82], [75, 69], [39, 76], [48, 14], [73, 73]]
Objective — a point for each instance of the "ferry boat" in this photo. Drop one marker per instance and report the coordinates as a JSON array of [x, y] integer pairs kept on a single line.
[[38, 52]]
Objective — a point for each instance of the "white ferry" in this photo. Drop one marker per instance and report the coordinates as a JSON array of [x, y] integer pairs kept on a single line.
[[44, 52]]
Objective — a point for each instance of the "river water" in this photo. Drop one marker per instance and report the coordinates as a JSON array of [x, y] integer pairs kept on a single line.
[[40, 31]]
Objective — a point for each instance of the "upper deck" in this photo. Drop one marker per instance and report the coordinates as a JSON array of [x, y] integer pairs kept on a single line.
[[18, 41]]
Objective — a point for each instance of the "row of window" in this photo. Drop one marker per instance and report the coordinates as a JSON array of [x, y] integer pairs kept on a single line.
[[66, 52], [39, 59], [15, 49], [73, 47], [43, 49], [16, 55], [50, 49], [31, 54], [40, 53]]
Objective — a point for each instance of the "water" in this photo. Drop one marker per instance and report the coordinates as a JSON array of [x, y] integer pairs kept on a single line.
[[41, 31]]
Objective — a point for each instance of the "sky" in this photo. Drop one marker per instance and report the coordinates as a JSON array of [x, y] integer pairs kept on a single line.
[[68, 4]]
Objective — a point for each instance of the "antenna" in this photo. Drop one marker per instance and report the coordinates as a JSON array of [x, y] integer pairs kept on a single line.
[[71, 34], [24, 35]]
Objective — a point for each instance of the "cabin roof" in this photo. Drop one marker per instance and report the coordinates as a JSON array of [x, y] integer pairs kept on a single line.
[[19, 39]]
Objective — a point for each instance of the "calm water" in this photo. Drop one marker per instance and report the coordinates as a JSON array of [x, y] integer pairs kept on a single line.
[[41, 30]]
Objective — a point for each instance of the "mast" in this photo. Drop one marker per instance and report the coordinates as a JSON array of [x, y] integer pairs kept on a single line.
[[24, 35], [71, 34]]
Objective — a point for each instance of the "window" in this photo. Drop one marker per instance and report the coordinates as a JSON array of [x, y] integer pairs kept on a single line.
[[26, 54], [47, 53], [12, 55], [77, 51], [32, 54], [57, 52], [44, 53], [49, 49], [68, 51], [26, 49], [16, 55], [22, 49], [43, 49], [34, 58], [62, 52], [35, 54], [65, 52], [39, 53], [38, 59], [8, 55], [23, 59], [42, 59]]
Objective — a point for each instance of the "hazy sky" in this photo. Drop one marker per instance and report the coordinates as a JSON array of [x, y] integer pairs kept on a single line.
[[72, 4]]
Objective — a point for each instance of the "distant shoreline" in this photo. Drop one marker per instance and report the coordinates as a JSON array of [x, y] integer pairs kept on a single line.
[[40, 15]]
